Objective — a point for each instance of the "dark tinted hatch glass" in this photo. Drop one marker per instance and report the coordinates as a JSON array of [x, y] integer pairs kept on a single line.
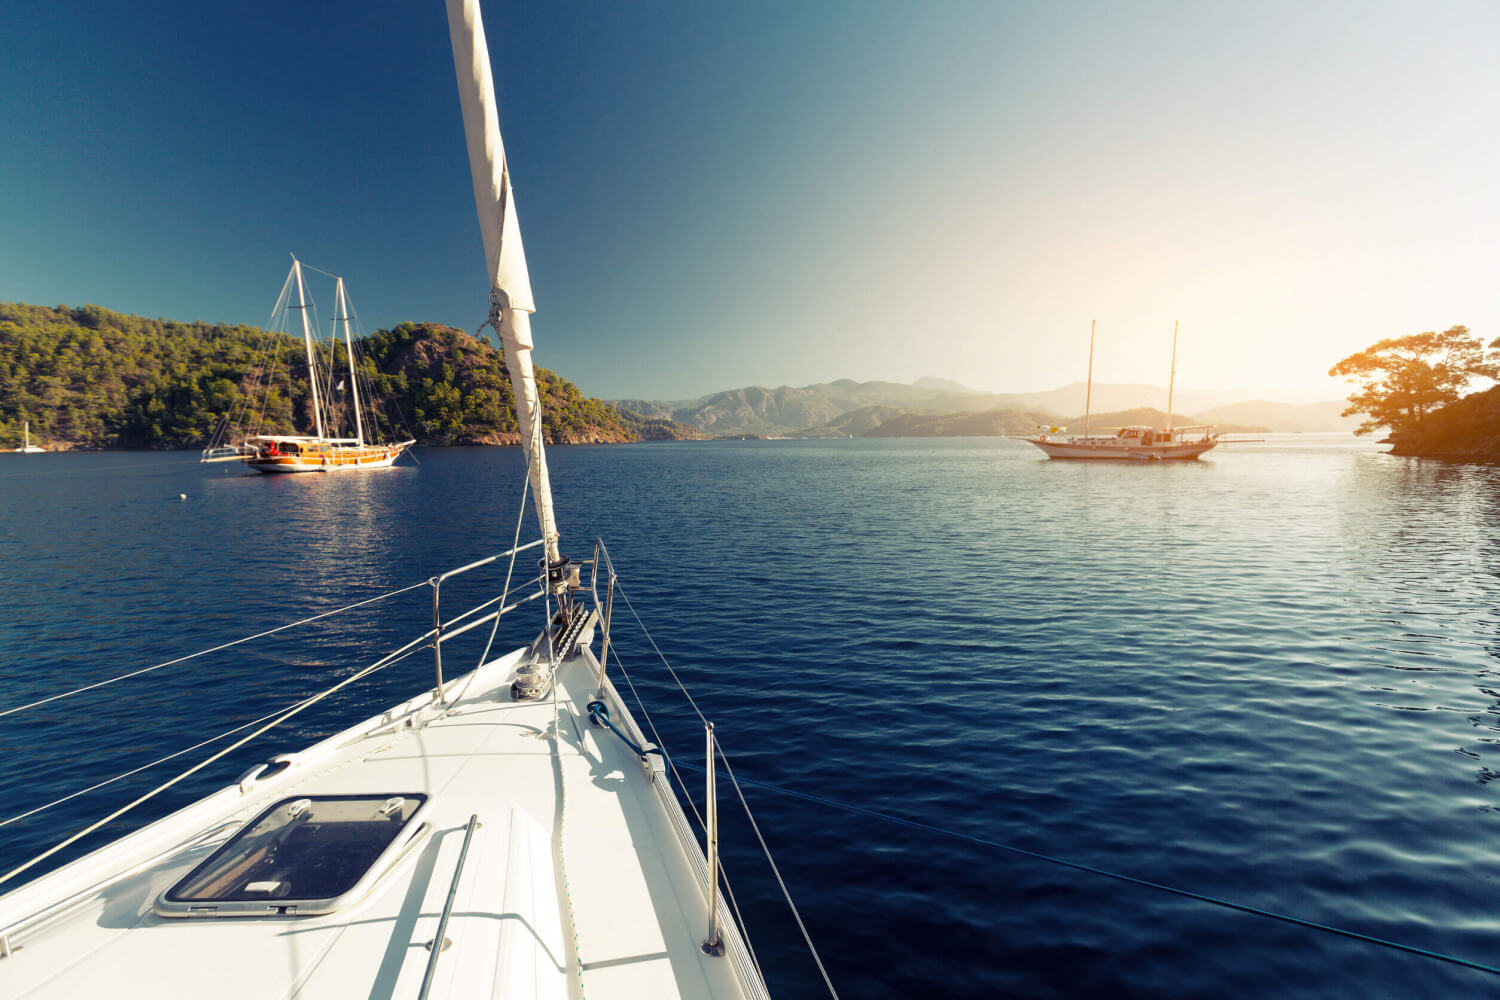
[[310, 848]]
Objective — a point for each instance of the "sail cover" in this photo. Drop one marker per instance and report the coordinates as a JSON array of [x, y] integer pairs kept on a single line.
[[492, 192], [511, 301]]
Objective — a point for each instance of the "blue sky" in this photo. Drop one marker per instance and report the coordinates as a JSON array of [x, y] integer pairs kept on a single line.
[[716, 195]]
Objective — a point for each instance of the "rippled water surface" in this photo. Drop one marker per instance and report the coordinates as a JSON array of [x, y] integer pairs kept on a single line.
[[1269, 676]]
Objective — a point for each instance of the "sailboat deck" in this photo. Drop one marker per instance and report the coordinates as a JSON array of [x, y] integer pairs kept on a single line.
[[554, 816]]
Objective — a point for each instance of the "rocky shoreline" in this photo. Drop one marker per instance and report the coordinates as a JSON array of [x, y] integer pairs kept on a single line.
[[1467, 430]]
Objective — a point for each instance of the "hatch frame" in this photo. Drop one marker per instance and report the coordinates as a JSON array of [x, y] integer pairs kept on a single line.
[[411, 832]]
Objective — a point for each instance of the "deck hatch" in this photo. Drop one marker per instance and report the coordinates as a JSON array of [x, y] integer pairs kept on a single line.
[[305, 854]]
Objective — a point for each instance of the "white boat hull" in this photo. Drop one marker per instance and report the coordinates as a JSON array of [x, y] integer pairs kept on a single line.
[[583, 871], [1105, 450]]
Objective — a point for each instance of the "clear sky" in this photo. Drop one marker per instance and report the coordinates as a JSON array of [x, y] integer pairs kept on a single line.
[[723, 194]]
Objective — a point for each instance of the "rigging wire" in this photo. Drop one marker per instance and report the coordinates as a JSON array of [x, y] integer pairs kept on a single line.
[[641, 704], [277, 323], [144, 767], [380, 664], [777, 872], [379, 404], [663, 656], [1093, 870], [681, 783], [515, 543], [202, 652], [1035, 855]]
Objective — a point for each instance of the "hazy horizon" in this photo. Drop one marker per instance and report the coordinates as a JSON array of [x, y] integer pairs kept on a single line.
[[715, 197]]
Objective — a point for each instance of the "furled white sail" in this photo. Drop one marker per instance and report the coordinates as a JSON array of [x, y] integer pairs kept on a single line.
[[511, 301]]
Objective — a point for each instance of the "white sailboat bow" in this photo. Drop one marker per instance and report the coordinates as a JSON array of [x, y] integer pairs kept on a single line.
[[510, 832]]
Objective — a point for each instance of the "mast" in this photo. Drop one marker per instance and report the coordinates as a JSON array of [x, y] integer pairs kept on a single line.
[[26, 435], [511, 303], [1172, 377], [312, 369], [343, 312], [1088, 394]]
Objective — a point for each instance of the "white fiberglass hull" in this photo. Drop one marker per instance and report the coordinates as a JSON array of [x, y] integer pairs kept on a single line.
[[1130, 452], [583, 876]]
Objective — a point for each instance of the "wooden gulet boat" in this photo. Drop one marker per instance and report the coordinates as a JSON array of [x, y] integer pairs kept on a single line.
[[319, 452], [1134, 443], [507, 833]]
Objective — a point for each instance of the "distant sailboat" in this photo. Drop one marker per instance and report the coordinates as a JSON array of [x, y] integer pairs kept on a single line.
[[345, 869], [324, 450], [27, 448], [1138, 443]]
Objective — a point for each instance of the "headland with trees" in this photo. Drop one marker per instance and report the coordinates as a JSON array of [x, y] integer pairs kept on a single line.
[[92, 378], [1414, 386]]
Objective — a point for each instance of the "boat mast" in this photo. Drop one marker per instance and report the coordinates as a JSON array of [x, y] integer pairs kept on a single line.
[[343, 312], [511, 303], [1172, 378], [312, 368], [1088, 394], [26, 435]]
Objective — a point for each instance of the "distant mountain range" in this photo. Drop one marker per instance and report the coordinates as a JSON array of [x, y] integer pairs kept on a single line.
[[941, 407]]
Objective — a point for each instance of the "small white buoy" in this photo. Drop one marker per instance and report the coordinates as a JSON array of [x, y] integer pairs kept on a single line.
[[182, 496]]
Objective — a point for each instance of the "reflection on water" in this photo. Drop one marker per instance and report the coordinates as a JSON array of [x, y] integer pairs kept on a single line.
[[1269, 675]]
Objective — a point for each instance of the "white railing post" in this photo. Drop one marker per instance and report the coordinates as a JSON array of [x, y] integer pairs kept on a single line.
[[609, 607], [437, 637], [712, 945]]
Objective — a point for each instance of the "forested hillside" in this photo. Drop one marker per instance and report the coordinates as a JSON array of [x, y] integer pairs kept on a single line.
[[1467, 429], [88, 377]]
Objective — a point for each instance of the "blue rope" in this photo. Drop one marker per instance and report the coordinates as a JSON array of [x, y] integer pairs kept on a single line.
[[599, 712], [1132, 880]]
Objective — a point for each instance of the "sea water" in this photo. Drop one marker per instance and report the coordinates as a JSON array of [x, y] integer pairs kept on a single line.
[[1269, 676]]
